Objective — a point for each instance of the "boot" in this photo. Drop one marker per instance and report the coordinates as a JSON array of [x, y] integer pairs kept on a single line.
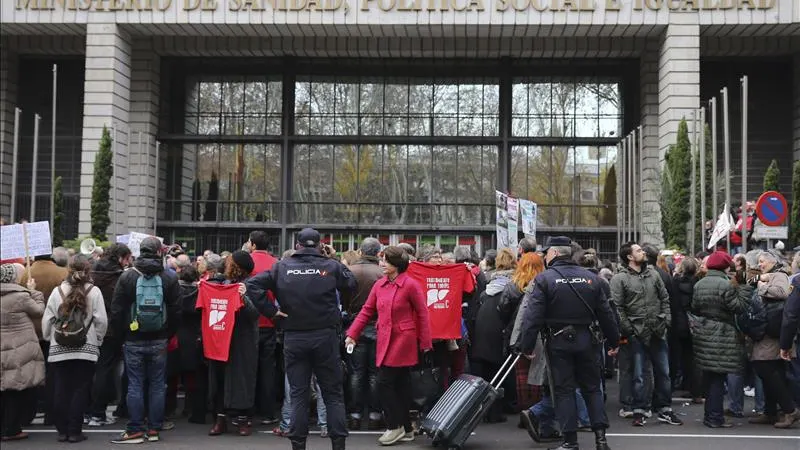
[[245, 427], [787, 420], [220, 426], [600, 439], [337, 443], [298, 443]]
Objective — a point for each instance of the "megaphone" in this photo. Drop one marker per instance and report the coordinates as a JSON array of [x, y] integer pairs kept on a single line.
[[88, 246]]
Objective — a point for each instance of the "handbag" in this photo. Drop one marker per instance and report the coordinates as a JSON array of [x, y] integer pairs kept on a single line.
[[426, 385]]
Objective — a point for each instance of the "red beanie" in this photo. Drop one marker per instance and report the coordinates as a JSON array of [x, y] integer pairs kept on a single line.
[[719, 261]]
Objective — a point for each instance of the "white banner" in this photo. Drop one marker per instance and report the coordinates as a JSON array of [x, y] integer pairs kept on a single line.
[[513, 227], [723, 228], [136, 239], [501, 219], [528, 211], [13, 240]]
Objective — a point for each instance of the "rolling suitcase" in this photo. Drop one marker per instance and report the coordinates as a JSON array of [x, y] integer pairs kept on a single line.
[[462, 407]]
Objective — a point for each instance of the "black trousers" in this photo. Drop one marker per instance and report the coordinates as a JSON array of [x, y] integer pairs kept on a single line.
[[576, 364], [776, 386], [16, 407], [73, 382], [217, 374], [394, 389], [315, 352], [45, 393], [266, 396], [104, 390], [487, 370]]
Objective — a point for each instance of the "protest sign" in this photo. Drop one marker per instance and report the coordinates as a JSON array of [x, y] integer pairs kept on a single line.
[[14, 239]]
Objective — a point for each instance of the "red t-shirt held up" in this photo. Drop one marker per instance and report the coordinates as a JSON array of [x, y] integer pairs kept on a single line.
[[219, 303], [263, 261], [444, 287]]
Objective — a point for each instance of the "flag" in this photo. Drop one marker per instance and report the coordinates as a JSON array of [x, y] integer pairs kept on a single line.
[[723, 227]]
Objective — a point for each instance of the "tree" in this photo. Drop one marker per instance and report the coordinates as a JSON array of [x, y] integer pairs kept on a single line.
[[676, 187], [709, 190], [58, 219], [795, 218], [772, 177], [610, 197], [101, 187]]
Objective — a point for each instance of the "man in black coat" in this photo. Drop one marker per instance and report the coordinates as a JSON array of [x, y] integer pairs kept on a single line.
[[790, 332], [307, 286]]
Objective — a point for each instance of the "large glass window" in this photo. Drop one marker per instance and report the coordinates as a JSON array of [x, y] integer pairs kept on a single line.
[[565, 108], [233, 106], [396, 107], [394, 184]]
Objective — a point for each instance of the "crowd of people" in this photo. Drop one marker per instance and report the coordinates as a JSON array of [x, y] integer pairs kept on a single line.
[[82, 332]]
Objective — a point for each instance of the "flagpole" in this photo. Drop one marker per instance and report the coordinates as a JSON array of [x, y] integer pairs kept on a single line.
[[155, 194], [727, 148], [693, 185], [712, 104], [744, 163], [14, 163], [36, 119], [703, 176], [53, 153]]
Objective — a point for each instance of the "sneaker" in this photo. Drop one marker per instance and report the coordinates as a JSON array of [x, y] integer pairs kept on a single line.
[[167, 425], [323, 431], [408, 437], [625, 413], [97, 421], [391, 437], [130, 437], [278, 431], [729, 413], [648, 414], [724, 424], [670, 418], [639, 420], [269, 421], [86, 419], [749, 391], [152, 436]]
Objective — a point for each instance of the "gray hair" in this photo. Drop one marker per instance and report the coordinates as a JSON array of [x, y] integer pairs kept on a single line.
[[752, 258], [527, 244], [183, 261], [370, 247], [61, 256], [563, 251], [462, 253], [215, 263], [769, 256]]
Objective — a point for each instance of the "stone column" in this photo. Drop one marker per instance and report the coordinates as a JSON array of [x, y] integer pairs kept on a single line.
[[9, 66], [796, 70], [145, 88], [651, 162], [106, 104]]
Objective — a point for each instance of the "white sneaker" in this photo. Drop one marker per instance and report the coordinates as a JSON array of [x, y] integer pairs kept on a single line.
[[625, 414], [408, 437], [391, 437], [750, 392]]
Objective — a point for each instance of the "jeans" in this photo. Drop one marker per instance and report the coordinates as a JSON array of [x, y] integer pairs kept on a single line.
[[286, 410], [363, 379], [104, 390], [625, 360], [657, 352], [146, 364], [310, 353], [266, 397], [793, 375], [546, 413], [736, 383], [73, 383], [714, 389]]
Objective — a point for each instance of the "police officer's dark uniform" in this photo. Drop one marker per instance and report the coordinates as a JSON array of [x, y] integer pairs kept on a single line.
[[556, 310], [305, 286]]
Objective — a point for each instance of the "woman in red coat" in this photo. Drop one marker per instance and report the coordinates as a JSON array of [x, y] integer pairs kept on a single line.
[[403, 330]]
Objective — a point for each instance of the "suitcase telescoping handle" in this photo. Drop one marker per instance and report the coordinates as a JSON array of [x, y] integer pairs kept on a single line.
[[505, 370]]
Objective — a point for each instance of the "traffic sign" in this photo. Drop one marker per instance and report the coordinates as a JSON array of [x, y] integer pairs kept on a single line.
[[772, 209]]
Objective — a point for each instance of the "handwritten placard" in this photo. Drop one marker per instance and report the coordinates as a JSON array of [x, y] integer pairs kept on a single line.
[[13, 240], [135, 240]]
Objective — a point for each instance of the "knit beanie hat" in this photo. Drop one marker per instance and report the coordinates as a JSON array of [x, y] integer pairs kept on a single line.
[[719, 261], [8, 273], [243, 260]]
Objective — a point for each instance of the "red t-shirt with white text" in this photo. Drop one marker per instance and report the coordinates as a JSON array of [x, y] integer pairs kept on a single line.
[[219, 303], [444, 287]]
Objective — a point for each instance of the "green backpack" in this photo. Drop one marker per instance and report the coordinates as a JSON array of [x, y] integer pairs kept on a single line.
[[148, 311]]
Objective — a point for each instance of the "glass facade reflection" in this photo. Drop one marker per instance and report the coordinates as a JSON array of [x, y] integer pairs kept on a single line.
[[395, 151]]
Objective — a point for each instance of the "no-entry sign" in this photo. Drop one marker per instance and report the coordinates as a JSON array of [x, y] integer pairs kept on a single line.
[[772, 209]]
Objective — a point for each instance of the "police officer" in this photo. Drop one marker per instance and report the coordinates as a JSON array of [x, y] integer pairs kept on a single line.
[[565, 301], [305, 286]]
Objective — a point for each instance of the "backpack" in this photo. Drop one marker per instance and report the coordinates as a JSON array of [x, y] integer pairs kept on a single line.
[[148, 311], [773, 312], [70, 328], [753, 321]]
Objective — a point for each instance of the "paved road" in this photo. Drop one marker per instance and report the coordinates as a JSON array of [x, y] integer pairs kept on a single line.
[[622, 436]]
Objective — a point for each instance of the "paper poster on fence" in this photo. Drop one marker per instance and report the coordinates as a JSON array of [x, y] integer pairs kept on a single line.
[[13, 240], [528, 210], [501, 219], [513, 224]]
